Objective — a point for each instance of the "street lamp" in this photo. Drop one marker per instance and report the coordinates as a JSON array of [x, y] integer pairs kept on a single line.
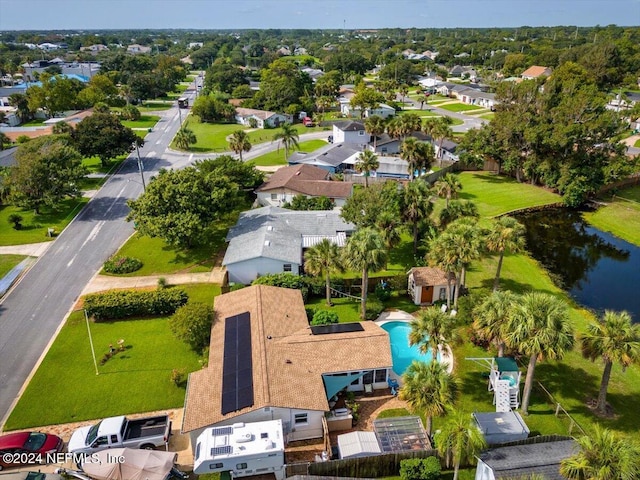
[[140, 167]]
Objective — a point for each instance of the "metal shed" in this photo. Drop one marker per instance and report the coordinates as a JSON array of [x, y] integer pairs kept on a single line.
[[400, 434], [358, 444], [501, 427]]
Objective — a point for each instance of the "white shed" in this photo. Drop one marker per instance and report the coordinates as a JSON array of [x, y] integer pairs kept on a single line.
[[358, 444]]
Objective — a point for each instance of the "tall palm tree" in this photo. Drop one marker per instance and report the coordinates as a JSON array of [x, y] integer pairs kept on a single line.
[[185, 138], [403, 90], [374, 126], [288, 137], [539, 328], [366, 163], [239, 142], [364, 252], [459, 440], [602, 456], [615, 339], [447, 187], [491, 317], [465, 247], [388, 224], [439, 130], [415, 207], [428, 388], [409, 123], [431, 329], [441, 254], [506, 235], [324, 259], [419, 155], [456, 210]]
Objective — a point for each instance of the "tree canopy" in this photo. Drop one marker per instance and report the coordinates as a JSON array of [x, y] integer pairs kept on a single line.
[[102, 135]]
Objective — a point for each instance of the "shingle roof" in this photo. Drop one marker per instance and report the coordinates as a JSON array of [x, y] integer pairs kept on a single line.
[[307, 180], [276, 233], [540, 458], [288, 361], [261, 114], [332, 155], [423, 276], [534, 71], [350, 126]]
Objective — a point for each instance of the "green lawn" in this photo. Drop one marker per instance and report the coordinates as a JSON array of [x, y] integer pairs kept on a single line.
[[36, 122], [145, 121], [158, 258], [94, 165], [460, 107], [212, 137], [420, 113], [34, 227], [348, 309], [154, 106], [488, 116], [136, 380], [266, 135], [7, 262], [497, 195], [621, 215], [277, 157]]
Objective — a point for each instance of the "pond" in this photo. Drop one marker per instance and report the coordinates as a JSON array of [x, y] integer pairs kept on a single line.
[[599, 270]]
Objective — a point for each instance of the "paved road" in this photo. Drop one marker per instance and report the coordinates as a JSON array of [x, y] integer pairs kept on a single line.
[[469, 121], [32, 312]]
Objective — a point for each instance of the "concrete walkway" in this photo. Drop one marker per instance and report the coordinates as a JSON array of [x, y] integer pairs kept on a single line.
[[30, 249], [100, 283]]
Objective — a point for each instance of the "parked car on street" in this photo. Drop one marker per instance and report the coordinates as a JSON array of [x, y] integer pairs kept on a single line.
[[25, 448]]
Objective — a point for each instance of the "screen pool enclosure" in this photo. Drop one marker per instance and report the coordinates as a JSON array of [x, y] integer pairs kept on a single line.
[[401, 434]]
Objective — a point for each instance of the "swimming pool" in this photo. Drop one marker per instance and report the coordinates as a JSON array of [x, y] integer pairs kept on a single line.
[[401, 353]]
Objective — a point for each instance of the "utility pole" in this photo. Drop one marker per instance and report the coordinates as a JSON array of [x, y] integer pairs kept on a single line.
[[141, 168], [93, 351]]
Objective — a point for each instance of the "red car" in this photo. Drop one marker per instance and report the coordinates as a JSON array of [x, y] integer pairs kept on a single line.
[[27, 447]]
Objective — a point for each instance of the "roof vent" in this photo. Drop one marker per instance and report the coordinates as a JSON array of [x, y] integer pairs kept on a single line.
[[270, 228], [267, 243]]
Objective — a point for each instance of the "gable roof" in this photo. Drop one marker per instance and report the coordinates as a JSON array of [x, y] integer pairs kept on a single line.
[[539, 458], [277, 233], [535, 71], [424, 276], [331, 155], [350, 126], [307, 180], [285, 356], [252, 112]]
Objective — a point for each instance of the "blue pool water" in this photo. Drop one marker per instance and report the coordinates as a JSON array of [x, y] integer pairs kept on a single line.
[[401, 352]]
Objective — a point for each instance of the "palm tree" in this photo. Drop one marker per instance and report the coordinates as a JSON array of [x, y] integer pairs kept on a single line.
[[428, 388], [447, 187], [239, 142], [441, 254], [288, 137], [602, 456], [438, 129], [465, 247], [366, 163], [459, 440], [388, 224], [456, 210], [324, 259], [184, 138], [415, 206], [490, 318], [614, 338], [507, 235], [404, 91], [364, 252], [409, 123], [431, 329], [539, 328], [61, 128], [374, 126], [418, 155]]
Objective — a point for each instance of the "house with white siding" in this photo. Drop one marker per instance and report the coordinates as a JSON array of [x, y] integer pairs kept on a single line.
[[262, 118]]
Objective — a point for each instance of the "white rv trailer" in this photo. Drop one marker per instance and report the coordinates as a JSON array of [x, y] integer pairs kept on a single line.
[[242, 449]]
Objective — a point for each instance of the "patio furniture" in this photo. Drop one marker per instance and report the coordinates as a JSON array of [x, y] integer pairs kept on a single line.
[[393, 385], [368, 388]]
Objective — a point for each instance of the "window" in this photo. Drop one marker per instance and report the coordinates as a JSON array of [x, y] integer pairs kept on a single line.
[[443, 293], [361, 133], [215, 466], [274, 196], [286, 267], [241, 466], [383, 150], [367, 378], [197, 450], [300, 419], [114, 438], [101, 441], [381, 376]]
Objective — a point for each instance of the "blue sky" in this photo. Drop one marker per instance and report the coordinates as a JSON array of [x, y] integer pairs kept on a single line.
[[225, 14]]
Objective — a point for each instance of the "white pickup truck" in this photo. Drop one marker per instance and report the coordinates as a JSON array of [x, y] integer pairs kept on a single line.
[[117, 432]]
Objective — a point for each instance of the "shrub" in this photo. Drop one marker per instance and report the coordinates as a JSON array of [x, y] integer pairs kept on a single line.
[[178, 376], [236, 286], [16, 220], [130, 113], [129, 303], [310, 313], [383, 292], [191, 323], [373, 310], [162, 283], [121, 265], [420, 469], [284, 280], [324, 317], [22, 139]]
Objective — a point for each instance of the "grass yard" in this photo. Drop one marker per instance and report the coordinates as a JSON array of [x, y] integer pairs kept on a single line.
[[158, 258], [34, 227], [420, 113], [136, 380], [460, 107], [146, 121], [488, 116], [277, 157], [212, 137], [348, 309], [637, 144], [497, 195], [154, 106], [266, 135], [94, 165], [7, 262], [621, 215]]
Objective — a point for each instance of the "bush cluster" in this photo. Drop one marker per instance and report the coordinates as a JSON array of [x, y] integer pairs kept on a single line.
[[286, 280], [324, 317], [383, 292], [192, 324], [373, 310], [121, 265], [420, 469], [129, 303]]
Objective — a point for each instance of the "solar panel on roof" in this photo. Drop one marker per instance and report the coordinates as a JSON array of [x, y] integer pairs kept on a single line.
[[224, 450], [221, 431], [337, 328], [237, 364]]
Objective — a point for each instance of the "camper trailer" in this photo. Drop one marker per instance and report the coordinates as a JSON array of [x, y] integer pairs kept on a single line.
[[242, 449]]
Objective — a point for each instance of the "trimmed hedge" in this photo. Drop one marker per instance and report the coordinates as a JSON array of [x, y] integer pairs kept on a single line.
[[119, 265], [129, 303], [420, 469]]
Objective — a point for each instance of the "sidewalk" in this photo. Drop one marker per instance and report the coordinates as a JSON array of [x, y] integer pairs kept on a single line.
[[30, 249]]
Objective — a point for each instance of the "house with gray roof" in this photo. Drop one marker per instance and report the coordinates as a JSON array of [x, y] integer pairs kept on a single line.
[[273, 239], [329, 157], [520, 461]]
